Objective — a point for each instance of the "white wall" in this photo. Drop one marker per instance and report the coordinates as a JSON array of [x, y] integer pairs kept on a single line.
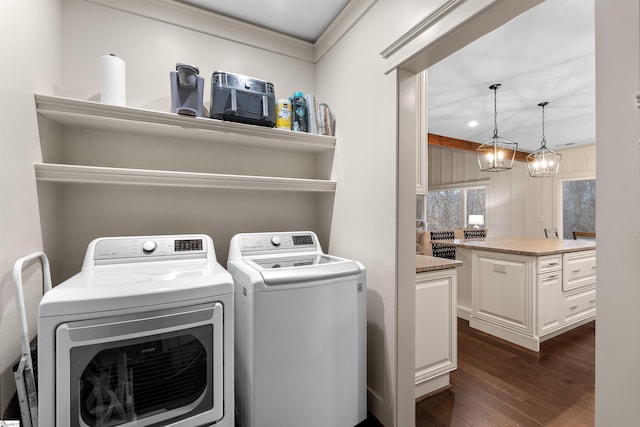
[[618, 196], [151, 48], [30, 51], [364, 220], [517, 204], [30, 61], [376, 177]]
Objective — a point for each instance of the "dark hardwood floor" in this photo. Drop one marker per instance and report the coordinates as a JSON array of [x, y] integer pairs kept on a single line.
[[500, 384]]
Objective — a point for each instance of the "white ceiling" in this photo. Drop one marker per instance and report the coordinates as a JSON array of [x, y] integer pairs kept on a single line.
[[546, 54], [305, 20]]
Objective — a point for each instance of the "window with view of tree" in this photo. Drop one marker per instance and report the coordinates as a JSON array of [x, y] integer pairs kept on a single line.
[[578, 206], [450, 209]]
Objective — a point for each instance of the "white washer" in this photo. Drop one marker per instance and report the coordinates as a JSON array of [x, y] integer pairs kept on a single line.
[[143, 335], [300, 333]]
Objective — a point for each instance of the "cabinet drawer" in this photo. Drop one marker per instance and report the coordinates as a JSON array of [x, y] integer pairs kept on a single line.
[[580, 305], [547, 264], [578, 270]]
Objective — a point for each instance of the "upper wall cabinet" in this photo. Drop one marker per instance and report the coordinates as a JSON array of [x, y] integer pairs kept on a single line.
[[86, 142]]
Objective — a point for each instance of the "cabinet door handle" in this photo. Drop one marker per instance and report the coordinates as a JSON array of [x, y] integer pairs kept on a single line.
[[551, 264], [592, 301], [550, 278], [576, 271], [573, 307]]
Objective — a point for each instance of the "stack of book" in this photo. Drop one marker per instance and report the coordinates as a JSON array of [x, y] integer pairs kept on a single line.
[[320, 118]]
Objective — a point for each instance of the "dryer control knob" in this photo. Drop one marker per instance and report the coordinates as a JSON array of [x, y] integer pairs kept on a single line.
[[275, 241], [149, 246]]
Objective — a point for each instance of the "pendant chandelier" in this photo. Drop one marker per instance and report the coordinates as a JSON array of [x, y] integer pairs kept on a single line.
[[497, 154], [543, 162]]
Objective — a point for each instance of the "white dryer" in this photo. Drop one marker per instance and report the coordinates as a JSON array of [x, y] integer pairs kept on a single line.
[[300, 333], [142, 336]]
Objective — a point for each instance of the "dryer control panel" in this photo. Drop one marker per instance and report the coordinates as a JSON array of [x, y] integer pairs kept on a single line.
[[110, 250], [276, 242]]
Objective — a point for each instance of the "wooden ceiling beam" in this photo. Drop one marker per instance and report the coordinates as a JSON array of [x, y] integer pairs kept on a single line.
[[461, 144]]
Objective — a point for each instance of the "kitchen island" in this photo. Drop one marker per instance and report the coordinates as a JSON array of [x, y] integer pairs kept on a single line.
[[526, 289], [436, 328]]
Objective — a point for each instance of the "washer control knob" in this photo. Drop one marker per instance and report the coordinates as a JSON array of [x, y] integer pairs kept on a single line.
[[149, 246], [275, 241]]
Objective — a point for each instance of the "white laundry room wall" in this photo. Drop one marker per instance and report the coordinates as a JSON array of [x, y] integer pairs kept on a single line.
[[151, 45], [30, 62]]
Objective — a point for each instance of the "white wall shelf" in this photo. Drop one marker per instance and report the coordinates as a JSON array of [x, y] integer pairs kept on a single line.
[[75, 174], [94, 115], [113, 120]]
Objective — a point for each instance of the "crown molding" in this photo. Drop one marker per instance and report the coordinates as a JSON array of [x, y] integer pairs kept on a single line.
[[340, 26], [192, 18], [189, 17]]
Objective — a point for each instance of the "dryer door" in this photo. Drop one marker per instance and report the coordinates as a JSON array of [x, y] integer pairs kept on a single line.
[[154, 367]]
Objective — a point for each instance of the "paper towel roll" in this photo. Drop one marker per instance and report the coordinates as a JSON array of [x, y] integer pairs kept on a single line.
[[113, 88]]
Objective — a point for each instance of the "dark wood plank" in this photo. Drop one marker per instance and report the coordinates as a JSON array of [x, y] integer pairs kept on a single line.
[[462, 144], [501, 384]]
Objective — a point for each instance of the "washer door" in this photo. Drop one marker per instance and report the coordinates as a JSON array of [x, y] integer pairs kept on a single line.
[[160, 367]]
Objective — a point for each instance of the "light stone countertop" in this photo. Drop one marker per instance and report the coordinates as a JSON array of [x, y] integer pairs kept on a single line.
[[426, 263], [535, 246]]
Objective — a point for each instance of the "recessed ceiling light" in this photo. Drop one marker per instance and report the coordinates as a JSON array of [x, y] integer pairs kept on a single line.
[[472, 123]]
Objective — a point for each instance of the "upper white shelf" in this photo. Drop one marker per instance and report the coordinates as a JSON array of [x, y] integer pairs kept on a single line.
[[94, 115]]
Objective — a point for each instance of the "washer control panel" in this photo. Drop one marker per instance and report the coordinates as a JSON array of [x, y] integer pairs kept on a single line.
[[277, 242], [111, 248]]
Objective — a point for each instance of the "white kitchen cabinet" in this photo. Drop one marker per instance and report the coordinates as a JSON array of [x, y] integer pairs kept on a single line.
[[527, 299], [579, 270], [435, 329], [502, 290], [464, 282], [549, 288], [580, 305], [549, 263], [550, 302], [579, 286]]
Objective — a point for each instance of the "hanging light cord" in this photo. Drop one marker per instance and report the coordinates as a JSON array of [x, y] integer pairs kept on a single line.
[[495, 109], [544, 140]]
